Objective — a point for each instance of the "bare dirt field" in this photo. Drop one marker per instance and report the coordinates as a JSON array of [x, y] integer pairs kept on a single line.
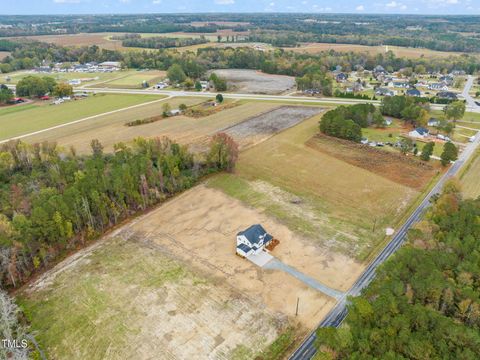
[[84, 39], [393, 166], [399, 51], [251, 81], [199, 228], [4, 54], [111, 129], [260, 127], [169, 283]]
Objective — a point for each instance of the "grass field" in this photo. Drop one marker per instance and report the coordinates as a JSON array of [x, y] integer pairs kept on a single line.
[[471, 179], [126, 299], [341, 206], [111, 129], [88, 78], [133, 79], [44, 116]]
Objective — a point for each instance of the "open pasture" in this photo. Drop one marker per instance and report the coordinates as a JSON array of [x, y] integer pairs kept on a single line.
[[471, 179], [133, 79], [44, 115]]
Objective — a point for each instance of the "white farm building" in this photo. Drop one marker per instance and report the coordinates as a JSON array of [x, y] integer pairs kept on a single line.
[[252, 240]]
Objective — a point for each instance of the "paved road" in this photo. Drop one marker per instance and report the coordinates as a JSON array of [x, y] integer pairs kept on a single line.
[[314, 284], [206, 94], [336, 316], [471, 105]]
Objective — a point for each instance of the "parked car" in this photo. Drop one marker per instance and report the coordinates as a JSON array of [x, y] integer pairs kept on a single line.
[[45, 97]]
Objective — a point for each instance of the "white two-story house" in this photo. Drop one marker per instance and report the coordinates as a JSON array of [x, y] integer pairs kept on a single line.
[[252, 240]]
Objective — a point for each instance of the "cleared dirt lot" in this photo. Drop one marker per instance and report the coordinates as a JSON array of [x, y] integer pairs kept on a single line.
[[256, 82], [169, 285], [111, 129], [199, 228], [261, 127]]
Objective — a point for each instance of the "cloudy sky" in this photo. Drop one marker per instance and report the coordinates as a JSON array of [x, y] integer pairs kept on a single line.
[[306, 6]]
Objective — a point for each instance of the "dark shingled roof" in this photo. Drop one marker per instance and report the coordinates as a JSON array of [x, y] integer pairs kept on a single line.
[[254, 234]]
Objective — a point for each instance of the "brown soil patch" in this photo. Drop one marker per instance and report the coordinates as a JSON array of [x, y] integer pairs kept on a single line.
[[395, 167], [199, 228]]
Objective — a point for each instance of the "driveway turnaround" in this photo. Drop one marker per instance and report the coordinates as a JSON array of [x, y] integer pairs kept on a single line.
[[276, 264]]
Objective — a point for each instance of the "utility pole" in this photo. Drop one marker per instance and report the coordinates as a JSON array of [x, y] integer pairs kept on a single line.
[[374, 224], [296, 311]]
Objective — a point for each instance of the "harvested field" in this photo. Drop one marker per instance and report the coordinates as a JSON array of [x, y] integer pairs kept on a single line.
[[399, 51], [127, 298], [260, 127], [111, 129], [255, 82], [393, 166], [471, 179], [102, 40], [336, 205]]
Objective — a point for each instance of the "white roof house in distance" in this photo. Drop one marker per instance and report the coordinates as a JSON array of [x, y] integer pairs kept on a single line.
[[433, 122], [252, 240], [110, 65], [419, 132]]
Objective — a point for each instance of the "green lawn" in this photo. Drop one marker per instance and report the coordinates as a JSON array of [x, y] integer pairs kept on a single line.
[[37, 117], [134, 79]]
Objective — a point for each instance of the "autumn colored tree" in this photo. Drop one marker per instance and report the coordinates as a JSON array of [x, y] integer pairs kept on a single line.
[[223, 152]]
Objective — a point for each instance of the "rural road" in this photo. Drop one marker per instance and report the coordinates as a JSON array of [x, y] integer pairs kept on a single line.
[[238, 96], [336, 316], [471, 105]]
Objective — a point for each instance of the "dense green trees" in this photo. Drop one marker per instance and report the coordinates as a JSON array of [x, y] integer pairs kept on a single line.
[[413, 110], [159, 42], [346, 122], [35, 86], [52, 200], [427, 151], [316, 80], [176, 74], [425, 301], [450, 153], [5, 94], [219, 83], [455, 111]]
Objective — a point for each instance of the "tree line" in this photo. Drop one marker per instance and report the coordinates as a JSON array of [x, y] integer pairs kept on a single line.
[[425, 301], [53, 200]]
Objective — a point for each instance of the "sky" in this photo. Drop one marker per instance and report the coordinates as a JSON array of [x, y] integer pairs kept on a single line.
[[423, 7]]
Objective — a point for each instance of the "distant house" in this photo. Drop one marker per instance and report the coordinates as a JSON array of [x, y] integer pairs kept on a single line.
[[110, 65], [252, 240], [384, 92], [401, 84], [175, 112], [357, 86], [388, 121], [414, 93], [433, 122], [447, 95], [438, 87], [419, 133], [446, 79], [379, 69], [342, 77]]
